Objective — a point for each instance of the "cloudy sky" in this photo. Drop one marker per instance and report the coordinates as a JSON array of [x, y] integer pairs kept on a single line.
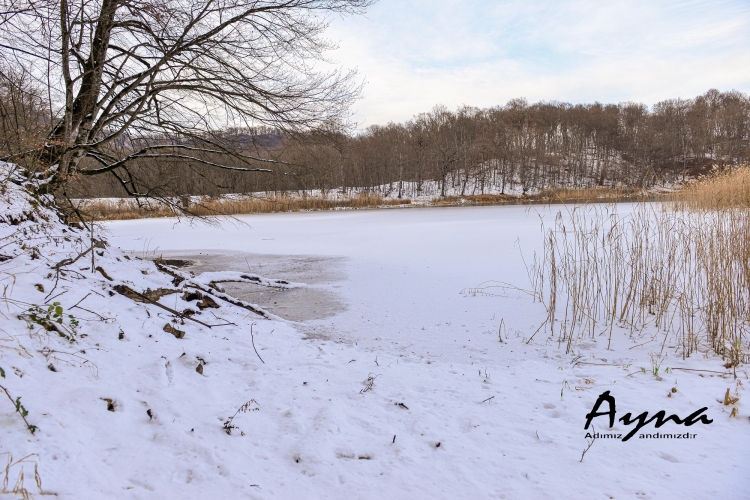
[[414, 54]]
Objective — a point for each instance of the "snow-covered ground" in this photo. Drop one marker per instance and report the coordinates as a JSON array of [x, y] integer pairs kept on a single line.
[[400, 389]]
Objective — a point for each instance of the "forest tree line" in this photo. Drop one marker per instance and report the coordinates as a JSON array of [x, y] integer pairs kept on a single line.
[[518, 147]]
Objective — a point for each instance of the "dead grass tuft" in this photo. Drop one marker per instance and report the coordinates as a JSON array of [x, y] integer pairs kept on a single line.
[[17, 467]]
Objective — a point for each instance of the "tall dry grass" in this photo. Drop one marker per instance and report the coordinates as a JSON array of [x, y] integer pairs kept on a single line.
[[557, 195], [595, 194], [721, 191], [121, 209], [681, 269]]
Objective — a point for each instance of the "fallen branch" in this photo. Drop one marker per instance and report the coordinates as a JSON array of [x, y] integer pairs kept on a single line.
[[69, 261], [130, 293], [595, 364], [694, 370], [102, 271], [177, 278], [228, 298], [211, 290]]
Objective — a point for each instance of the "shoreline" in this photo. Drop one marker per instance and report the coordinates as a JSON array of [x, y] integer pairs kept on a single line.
[[106, 211]]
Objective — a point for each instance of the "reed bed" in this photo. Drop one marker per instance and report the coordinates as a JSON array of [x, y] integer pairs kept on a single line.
[[721, 191], [476, 199], [122, 209], [569, 195], [681, 269]]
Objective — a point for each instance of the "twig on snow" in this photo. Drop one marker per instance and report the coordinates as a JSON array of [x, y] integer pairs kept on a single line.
[[590, 443], [20, 410], [252, 338]]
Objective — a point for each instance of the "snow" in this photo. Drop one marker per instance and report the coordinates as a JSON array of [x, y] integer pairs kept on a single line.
[[508, 416]]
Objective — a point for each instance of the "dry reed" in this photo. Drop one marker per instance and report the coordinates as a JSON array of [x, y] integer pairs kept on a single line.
[[561, 195], [121, 209], [680, 268], [569, 195], [723, 190], [19, 488]]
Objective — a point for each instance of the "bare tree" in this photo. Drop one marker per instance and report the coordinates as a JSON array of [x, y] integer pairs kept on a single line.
[[24, 121], [146, 79]]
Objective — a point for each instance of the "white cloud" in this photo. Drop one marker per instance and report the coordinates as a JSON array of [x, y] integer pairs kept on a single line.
[[415, 54]]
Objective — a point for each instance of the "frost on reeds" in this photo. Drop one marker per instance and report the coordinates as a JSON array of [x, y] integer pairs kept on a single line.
[[681, 269]]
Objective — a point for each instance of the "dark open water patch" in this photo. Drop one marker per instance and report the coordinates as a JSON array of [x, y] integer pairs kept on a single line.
[[315, 302]]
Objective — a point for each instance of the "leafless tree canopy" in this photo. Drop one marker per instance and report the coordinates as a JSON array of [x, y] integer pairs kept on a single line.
[[24, 113], [202, 97], [128, 80], [519, 146], [471, 151], [530, 146]]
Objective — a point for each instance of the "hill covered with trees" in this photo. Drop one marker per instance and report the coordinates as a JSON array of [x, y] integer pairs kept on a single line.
[[518, 147]]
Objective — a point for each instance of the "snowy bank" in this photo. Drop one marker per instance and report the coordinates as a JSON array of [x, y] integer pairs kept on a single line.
[[143, 392]]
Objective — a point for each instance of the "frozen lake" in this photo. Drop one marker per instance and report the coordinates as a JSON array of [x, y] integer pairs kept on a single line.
[[475, 418], [399, 273]]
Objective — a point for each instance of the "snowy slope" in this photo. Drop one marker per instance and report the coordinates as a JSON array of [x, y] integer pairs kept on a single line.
[[451, 412]]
